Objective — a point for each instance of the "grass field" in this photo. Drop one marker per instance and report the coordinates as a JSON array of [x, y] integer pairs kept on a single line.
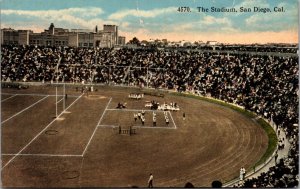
[[82, 147]]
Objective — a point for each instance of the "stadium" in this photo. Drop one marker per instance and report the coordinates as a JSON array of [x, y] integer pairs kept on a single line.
[[108, 117]]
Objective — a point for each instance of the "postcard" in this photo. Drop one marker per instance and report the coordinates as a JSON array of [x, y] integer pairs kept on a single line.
[[149, 93]]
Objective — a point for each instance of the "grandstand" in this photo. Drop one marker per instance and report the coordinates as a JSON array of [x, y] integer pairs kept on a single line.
[[262, 80]]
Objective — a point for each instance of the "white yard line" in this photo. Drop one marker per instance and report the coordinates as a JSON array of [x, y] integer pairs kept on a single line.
[[172, 119], [8, 98], [153, 127], [138, 126], [46, 155], [96, 127], [133, 110], [24, 109], [38, 134], [59, 101], [35, 94], [113, 126], [24, 94]]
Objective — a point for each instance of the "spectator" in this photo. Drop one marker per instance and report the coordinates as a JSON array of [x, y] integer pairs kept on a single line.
[[150, 181], [265, 83]]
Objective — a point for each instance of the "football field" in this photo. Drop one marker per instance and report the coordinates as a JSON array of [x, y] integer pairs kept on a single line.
[[82, 146]]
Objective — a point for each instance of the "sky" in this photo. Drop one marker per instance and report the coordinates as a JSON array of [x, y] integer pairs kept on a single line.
[[160, 19]]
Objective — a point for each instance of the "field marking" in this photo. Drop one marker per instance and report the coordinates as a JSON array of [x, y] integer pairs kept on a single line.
[[39, 134], [113, 126], [134, 110], [96, 127], [46, 155], [172, 119], [8, 98], [138, 126], [59, 101], [24, 109], [153, 127], [36, 94]]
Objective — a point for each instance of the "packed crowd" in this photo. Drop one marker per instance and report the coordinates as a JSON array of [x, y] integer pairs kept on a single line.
[[260, 48], [266, 85], [285, 174]]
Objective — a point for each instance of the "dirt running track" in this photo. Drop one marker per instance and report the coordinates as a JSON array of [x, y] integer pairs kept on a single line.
[[83, 148]]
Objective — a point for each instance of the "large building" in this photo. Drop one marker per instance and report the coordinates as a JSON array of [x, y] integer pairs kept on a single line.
[[121, 40], [108, 37], [11, 36], [113, 29]]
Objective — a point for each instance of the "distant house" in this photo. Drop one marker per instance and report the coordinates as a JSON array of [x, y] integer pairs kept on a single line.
[[211, 43]]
